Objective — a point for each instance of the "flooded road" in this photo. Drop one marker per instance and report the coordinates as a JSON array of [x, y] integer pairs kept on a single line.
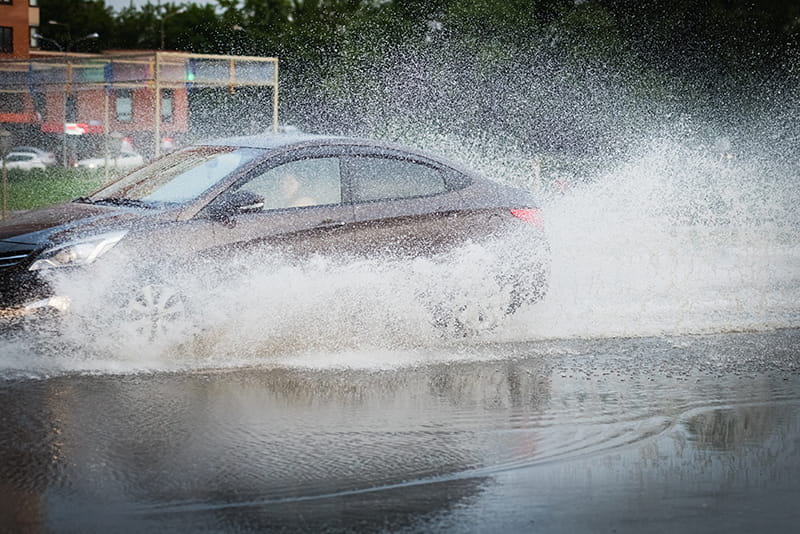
[[656, 388], [695, 433]]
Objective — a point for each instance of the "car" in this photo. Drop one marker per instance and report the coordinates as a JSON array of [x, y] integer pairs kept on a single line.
[[125, 160], [46, 157], [300, 195], [24, 160]]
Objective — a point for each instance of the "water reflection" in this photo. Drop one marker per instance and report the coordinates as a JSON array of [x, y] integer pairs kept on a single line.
[[457, 445], [267, 445], [736, 428]]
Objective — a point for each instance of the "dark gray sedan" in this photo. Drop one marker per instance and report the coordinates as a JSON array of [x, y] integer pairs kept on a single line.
[[300, 194]]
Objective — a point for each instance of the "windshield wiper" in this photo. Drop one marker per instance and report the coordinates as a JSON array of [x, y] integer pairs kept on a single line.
[[121, 201]]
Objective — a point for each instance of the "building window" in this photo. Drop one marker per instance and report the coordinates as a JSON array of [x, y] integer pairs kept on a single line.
[[33, 3], [6, 39], [34, 41], [166, 105], [11, 103], [124, 105], [39, 103], [71, 108], [9, 2]]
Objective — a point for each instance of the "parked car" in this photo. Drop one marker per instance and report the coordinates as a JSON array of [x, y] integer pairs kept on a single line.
[[299, 193], [125, 160], [48, 158], [24, 160]]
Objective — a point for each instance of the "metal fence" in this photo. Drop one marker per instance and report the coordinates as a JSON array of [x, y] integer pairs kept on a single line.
[[70, 73]]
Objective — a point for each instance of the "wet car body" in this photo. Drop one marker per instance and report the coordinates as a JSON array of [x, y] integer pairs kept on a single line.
[[229, 196]]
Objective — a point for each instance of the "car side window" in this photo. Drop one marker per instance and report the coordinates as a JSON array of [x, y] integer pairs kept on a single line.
[[376, 178], [304, 182]]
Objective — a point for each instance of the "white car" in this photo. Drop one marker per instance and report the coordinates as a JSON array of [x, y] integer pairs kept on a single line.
[[24, 160], [126, 160], [48, 158]]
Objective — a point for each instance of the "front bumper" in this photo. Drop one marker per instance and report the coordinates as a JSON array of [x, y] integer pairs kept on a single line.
[[46, 306]]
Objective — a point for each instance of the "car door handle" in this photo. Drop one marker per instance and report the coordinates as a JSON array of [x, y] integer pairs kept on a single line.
[[330, 223]]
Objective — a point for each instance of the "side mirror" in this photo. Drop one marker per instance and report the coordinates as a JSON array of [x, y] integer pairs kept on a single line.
[[230, 204]]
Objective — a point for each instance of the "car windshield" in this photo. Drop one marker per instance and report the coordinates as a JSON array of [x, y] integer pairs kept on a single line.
[[178, 177]]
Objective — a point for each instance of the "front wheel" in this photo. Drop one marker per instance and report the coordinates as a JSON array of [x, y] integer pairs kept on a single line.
[[156, 311]]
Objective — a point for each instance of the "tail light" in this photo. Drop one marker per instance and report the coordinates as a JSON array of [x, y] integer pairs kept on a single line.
[[529, 215]]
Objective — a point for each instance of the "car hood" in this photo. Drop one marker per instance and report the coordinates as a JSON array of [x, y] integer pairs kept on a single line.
[[62, 221]]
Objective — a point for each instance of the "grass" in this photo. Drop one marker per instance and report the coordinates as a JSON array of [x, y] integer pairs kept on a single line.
[[36, 188]]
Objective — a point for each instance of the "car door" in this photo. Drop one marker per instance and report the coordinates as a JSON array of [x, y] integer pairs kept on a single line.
[[403, 205], [301, 209]]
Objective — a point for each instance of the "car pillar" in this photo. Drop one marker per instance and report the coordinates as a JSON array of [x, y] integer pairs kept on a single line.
[[5, 148], [114, 148]]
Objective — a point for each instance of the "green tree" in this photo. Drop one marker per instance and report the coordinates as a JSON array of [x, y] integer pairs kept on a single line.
[[136, 28], [197, 29], [75, 19]]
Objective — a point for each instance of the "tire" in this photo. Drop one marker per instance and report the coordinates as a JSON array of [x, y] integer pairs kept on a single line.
[[481, 312], [469, 320], [527, 289]]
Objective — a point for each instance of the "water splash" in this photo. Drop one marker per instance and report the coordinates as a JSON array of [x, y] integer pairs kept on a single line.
[[654, 229], [674, 241]]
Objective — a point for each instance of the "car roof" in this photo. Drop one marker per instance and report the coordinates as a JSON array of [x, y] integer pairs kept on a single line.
[[102, 156], [273, 141], [280, 140]]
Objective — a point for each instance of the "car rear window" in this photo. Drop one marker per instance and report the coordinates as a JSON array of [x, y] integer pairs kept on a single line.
[[376, 178]]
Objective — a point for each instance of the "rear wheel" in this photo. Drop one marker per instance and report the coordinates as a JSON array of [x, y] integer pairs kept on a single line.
[[527, 287], [471, 319], [481, 310]]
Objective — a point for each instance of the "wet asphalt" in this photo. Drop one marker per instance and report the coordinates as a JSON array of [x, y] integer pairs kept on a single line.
[[657, 434]]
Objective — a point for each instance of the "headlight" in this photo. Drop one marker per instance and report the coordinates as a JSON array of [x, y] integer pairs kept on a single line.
[[77, 253]]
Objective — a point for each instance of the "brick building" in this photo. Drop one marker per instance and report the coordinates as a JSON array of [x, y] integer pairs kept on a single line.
[[19, 20], [69, 102]]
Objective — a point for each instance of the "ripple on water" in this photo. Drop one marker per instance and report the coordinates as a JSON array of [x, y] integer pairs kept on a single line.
[[298, 431]]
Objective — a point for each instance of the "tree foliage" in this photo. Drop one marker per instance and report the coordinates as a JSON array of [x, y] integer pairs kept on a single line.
[[472, 63], [725, 33]]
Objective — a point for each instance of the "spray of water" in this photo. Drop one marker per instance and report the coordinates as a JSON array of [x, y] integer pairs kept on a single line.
[[674, 241], [669, 210], [655, 225]]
